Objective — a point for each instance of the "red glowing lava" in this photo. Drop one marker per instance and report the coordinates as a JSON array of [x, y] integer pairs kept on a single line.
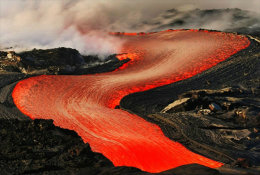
[[85, 103]]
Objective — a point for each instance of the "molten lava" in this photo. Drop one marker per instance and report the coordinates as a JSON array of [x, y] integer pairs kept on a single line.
[[86, 103]]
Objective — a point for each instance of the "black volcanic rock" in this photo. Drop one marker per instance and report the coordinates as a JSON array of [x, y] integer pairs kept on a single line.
[[230, 135], [36, 147], [51, 57], [233, 131], [241, 69], [62, 61]]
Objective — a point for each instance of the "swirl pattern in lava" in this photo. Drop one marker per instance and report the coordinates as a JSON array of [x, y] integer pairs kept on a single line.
[[86, 103]]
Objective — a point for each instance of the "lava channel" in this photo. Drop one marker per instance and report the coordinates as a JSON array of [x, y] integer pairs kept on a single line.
[[86, 103]]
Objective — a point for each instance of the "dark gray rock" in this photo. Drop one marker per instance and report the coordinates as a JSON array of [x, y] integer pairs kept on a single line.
[[58, 61]]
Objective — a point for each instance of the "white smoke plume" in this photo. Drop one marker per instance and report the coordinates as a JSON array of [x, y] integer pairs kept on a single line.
[[45, 24], [84, 24]]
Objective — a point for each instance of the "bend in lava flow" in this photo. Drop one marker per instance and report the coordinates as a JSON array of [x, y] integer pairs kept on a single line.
[[197, 67], [86, 103]]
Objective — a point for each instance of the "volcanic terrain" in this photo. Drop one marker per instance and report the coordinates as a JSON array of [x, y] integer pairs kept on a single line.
[[214, 122]]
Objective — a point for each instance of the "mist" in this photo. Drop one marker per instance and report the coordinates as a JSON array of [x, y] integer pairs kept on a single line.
[[84, 24]]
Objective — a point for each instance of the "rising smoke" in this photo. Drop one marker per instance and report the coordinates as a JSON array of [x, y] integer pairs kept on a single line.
[[84, 24], [45, 24]]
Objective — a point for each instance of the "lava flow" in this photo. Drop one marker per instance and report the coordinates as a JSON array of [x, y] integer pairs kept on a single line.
[[86, 103]]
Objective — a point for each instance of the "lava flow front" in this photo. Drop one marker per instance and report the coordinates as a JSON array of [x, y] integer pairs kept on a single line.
[[86, 103]]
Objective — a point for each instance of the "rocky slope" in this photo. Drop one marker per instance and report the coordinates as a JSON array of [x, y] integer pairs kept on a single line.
[[217, 115], [58, 61]]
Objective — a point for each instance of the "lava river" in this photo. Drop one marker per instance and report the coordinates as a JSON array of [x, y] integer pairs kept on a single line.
[[86, 103]]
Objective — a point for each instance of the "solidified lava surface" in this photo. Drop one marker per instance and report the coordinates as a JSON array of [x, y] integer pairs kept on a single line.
[[86, 104]]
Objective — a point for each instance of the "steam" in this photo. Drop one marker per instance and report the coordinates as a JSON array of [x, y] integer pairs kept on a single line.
[[47, 24], [84, 24], [232, 20]]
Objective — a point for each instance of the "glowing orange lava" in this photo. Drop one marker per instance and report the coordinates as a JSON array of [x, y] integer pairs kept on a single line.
[[86, 103]]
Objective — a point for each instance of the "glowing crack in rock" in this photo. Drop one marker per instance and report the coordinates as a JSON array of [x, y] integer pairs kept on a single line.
[[86, 103]]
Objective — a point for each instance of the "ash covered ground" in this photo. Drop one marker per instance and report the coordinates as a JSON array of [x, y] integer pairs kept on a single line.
[[215, 114]]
